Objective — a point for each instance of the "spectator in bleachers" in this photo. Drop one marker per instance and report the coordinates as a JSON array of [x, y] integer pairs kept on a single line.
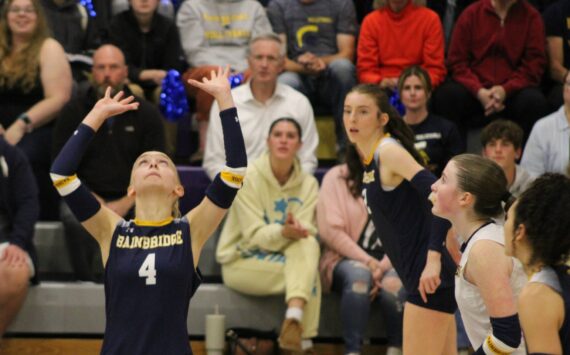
[[19, 209], [268, 244], [35, 83], [353, 262], [166, 8], [437, 139], [548, 147], [397, 35], [151, 45], [216, 33], [502, 143], [107, 163], [261, 101], [558, 48], [74, 28], [496, 60], [320, 42]]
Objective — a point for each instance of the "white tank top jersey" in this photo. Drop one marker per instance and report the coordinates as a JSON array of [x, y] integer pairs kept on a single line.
[[473, 310]]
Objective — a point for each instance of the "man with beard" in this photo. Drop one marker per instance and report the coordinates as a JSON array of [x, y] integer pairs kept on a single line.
[[106, 165]]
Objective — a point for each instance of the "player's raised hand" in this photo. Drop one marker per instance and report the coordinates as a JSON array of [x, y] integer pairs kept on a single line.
[[109, 106], [218, 85]]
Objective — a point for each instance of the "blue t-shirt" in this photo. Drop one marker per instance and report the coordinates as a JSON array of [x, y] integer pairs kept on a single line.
[[149, 280]]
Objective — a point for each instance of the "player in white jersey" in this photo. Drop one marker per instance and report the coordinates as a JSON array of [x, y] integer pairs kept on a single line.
[[469, 194]]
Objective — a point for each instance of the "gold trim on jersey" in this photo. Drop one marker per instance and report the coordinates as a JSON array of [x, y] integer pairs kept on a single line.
[[63, 182], [370, 156], [143, 223]]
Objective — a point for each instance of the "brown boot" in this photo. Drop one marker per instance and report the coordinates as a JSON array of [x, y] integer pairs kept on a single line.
[[290, 336]]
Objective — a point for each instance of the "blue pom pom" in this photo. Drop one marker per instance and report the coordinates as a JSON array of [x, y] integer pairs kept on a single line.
[[236, 79], [88, 5], [397, 103], [173, 101]]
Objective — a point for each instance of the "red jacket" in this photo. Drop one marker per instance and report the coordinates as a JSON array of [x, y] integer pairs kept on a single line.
[[485, 52], [389, 42]]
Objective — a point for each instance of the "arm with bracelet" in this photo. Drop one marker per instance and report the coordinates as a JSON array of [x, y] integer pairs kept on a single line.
[[205, 218], [98, 220]]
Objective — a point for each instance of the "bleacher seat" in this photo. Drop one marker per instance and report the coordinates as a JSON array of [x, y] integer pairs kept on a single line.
[[78, 308]]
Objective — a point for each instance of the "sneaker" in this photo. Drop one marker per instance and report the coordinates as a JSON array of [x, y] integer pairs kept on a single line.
[[290, 336]]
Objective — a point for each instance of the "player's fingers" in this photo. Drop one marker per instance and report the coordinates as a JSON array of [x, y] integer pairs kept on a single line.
[[422, 292]]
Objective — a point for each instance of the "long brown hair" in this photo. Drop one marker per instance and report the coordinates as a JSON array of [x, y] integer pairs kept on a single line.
[[396, 126], [21, 68]]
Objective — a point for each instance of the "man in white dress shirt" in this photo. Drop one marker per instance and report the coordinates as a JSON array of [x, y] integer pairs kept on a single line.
[[260, 102]]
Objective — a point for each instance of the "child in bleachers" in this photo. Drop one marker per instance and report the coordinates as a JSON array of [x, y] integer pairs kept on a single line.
[[502, 143], [437, 139]]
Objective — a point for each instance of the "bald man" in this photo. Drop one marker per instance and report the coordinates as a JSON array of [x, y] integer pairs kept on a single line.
[[108, 160]]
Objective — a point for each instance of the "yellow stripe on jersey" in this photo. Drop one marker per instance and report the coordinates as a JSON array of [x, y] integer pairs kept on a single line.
[[63, 182], [370, 156], [143, 223], [231, 179]]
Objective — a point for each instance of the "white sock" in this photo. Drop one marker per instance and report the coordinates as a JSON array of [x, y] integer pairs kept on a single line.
[[295, 313], [306, 344]]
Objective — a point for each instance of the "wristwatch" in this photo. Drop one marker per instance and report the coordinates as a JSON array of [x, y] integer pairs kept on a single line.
[[24, 117]]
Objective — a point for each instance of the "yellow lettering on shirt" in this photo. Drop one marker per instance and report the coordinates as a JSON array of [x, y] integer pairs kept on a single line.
[[149, 242], [320, 19]]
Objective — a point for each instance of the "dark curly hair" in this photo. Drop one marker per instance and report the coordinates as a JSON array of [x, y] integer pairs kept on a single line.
[[544, 210]]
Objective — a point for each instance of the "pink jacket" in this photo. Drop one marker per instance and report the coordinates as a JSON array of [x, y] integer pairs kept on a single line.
[[340, 220]]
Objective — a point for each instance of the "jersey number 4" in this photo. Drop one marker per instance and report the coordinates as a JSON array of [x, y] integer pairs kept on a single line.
[[147, 269]]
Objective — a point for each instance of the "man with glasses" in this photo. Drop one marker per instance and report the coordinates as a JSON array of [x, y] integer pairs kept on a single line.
[[320, 41], [261, 101]]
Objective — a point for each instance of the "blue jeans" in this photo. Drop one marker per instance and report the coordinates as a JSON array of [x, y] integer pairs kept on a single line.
[[328, 88], [354, 281]]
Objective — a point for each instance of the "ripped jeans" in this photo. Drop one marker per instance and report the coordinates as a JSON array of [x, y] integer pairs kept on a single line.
[[353, 281]]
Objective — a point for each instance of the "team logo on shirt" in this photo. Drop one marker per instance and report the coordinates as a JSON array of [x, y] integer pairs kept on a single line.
[[368, 177], [149, 242]]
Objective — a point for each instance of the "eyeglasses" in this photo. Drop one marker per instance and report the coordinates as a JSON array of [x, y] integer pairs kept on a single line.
[[25, 10]]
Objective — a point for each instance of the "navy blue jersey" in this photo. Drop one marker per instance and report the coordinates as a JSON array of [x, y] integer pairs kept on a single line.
[[403, 221], [563, 273], [149, 280]]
